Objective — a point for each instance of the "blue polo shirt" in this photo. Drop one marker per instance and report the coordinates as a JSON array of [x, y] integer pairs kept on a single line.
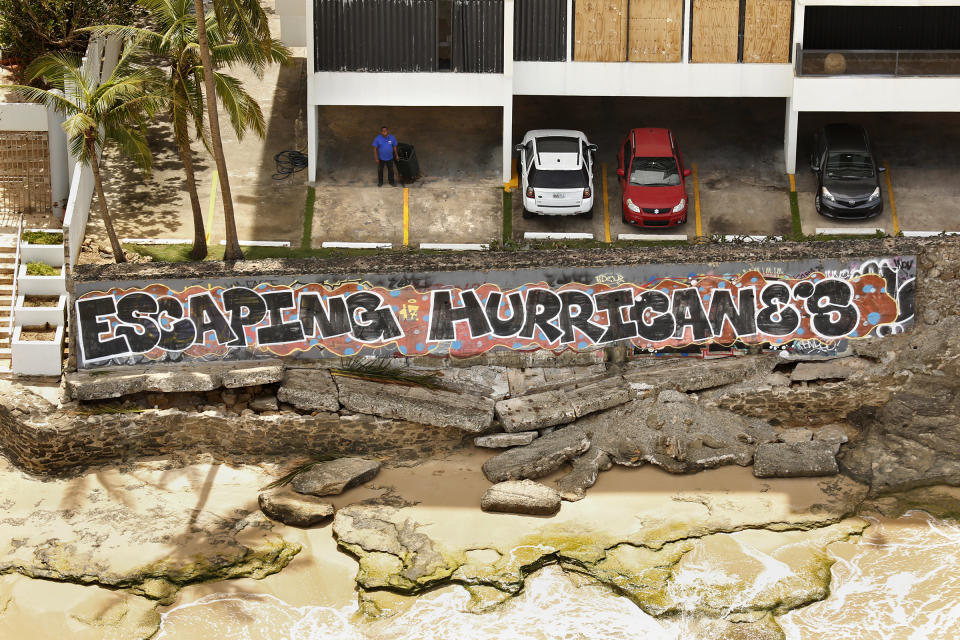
[[385, 146]]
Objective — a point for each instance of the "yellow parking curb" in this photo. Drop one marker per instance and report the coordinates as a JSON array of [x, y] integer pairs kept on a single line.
[[514, 179], [406, 216], [893, 203], [696, 199], [606, 206], [213, 202], [793, 183]]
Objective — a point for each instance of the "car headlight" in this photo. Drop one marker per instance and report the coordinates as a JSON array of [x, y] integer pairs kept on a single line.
[[632, 206], [827, 194], [680, 205], [876, 194], [530, 193]]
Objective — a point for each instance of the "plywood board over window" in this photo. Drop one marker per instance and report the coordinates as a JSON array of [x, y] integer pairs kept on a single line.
[[656, 31], [716, 30], [600, 30], [766, 31]]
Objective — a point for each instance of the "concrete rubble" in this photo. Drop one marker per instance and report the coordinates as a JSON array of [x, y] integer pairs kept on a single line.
[[521, 496], [795, 460], [293, 509], [309, 390], [540, 457], [335, 476], [583, 474], [503, 440]]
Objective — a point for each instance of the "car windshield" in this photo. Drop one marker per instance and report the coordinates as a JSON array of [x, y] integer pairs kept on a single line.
[[654, 172], [561, 179], [849, 165], [555, 144]]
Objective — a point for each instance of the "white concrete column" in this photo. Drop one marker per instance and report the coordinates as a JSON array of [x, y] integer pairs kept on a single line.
[[60, 162], [790, 137], [569, 30], [687, 8], [311, 107], [507, 137], [508, 39]]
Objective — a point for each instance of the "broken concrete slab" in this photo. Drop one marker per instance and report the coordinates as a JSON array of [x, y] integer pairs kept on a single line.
[[600, 396], [839, 369], [694, 374], [490, 382], [252, 376], [416, 404], [295, 510], [536, 411], [521, 496], [502, 440], [835, 434], [803, 459], [540, 457], [335, 476], [583, 475], [309, 390], [796, 436]]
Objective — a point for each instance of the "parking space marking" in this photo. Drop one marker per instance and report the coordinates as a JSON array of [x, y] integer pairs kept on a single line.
[[849, 231], [514, 178], [406, 217], [213, 202], [452, 246], [546, 235], [793, 183], [920, 234], [696, 199], [606, 206], [653, 237], [357, 245], [893, 203], [260, 243]]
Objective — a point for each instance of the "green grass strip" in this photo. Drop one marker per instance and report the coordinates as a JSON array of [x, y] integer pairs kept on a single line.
[[795, 215], [507, 216], [308, 218]]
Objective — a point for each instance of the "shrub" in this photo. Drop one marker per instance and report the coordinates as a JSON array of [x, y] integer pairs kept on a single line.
[[42, 237], [41, 269]]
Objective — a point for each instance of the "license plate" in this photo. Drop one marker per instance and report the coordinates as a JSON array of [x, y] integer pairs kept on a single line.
[[558, 195]]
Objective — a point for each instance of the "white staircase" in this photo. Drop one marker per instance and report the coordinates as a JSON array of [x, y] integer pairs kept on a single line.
[[8, 252]]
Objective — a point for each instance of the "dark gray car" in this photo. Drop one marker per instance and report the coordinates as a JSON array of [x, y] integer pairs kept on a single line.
[[848, 184]]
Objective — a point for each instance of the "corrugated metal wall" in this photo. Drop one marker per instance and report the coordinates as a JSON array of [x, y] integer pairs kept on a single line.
[[881, 28], [477, 36], [540, 30], [376, 35]]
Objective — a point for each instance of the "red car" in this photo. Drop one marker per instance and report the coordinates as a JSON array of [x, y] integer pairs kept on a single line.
[[652, 179]]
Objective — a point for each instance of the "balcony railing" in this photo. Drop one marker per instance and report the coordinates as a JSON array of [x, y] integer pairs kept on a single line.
[[862, 62]]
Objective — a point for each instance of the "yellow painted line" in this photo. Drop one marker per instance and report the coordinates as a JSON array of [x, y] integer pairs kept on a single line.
[[406, 216], [893, 203], [213, 202], [793, 183], [696, 199], [606, 206], [514, 178]]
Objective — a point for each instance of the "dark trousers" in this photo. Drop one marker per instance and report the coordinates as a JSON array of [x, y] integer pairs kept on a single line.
[[389, 165]]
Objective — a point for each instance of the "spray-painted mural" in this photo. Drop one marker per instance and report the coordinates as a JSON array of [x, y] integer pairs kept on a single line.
[[811, 304]]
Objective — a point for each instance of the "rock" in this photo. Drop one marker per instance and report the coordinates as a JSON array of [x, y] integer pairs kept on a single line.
[[839, 369], [535, 411], [521, 496], [583, 475], [309, 390], [796, 436], [490, 382], [501, 440], [538, 458], [252, 376], [335, 477], [832, 433], [229, 398], [293, 509], [599, 396], [803, 459], [265, 403], [694, 374], [521, 381], [416, 404]]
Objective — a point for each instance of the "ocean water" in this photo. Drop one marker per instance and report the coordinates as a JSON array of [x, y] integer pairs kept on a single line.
[[901, 581]]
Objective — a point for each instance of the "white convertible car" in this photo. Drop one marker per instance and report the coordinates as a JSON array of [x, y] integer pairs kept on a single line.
[[556, 173]]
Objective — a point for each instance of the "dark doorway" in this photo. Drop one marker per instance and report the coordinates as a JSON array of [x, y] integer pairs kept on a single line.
[[911, 28]]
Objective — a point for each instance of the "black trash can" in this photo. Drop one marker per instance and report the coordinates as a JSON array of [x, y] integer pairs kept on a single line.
[[407, 165]]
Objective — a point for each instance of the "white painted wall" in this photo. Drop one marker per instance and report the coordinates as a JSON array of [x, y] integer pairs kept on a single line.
[[408, 89], [293, 22], [876, 93]]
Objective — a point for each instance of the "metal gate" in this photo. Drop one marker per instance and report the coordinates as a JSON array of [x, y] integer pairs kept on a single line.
[[24, 174]]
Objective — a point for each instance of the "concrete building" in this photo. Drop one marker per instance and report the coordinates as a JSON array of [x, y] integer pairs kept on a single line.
[[817, 55]]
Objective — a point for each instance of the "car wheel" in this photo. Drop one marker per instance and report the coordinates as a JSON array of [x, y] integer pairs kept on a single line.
[[527, 214], [816, 202], [623, 218]]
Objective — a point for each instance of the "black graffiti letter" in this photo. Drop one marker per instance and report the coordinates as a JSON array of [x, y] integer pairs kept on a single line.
[[133, 309], [831, 310], [742, 317], [246, 308], [278, 331], [371, 322], [182, 332], [89, 313], [206, 316], [542, 306], [443, 315], [315, 318], [662, 324], [513, 324], [581, 320], [777, 317], [688, 311], [612, 302]]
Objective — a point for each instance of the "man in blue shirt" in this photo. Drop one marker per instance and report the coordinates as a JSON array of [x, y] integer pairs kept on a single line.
[[385, 152]]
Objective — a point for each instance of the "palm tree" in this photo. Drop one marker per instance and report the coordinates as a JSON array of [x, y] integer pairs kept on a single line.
[[174, 39], [246, 21], [115, 109]]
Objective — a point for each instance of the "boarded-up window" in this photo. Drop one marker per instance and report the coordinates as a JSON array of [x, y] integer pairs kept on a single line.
[[656, 30], [716, 29], [766, 31], [600, 30]]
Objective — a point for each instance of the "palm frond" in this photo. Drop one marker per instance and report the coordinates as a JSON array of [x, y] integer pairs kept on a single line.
[[315, 459], [380, 369]]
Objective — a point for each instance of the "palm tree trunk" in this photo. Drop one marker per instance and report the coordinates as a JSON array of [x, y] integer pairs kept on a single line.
[[104, 211], [232, 251], [199, 251]]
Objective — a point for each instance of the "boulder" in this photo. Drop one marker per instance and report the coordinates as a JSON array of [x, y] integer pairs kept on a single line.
[[265, 403], [521, 496], [583, 474], [293, 509], [538, 458], [336, 476], [795, 436], [795, 460], [309, 390], [502, 440]]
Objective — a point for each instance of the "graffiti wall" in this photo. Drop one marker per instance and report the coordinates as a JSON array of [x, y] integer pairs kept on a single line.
[[812, 305]]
